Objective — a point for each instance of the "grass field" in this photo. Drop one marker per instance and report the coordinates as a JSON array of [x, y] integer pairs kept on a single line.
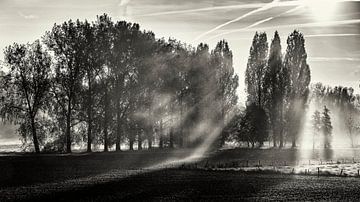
[[137, 176]]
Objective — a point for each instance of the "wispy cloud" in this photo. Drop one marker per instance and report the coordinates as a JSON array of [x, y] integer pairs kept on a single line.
[[357, 72], [315, 24], [123, 5], [332, 59], [213, 8], [236, 6], [258, 22], [28, 17], [330, 35], [124, 2], [263, 8]]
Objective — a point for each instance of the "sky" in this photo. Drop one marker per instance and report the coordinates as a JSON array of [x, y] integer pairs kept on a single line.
[[331, 27]]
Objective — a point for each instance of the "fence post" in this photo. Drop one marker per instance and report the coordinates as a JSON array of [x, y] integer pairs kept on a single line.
[[318, 171]]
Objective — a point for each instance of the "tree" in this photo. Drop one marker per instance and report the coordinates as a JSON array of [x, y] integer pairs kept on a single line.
[[256, 68], [66, 42], [104, 41], [275, 83], [316, 121], [226, 83], [26, 87], [254, 125], [326, 127], [299, 80]]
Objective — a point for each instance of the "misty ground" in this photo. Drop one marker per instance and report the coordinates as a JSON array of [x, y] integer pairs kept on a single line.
[[158, 175]]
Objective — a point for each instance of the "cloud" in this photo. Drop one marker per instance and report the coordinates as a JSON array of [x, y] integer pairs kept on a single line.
[[357, 72], [260, 22], [213, 8], [263, 8], [28, 17], [333, 59], [315, 24], [270, 18], [330, 35], [124, 2]]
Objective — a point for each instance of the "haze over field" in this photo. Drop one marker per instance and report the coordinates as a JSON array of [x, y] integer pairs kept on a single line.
[[332, 34], [111, 100]]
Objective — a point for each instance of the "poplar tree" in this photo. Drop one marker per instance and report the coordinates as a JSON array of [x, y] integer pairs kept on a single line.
[[299, 80], [326, 127], [256, 68]]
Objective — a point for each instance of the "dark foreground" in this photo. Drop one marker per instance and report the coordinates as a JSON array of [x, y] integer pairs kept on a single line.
[[170, 185], [121, 176]]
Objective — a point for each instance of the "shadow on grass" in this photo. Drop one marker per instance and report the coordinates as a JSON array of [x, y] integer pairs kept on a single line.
[[19, 170], [172, 184]]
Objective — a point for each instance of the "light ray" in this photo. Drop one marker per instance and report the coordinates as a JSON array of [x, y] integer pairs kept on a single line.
[[315, 24]]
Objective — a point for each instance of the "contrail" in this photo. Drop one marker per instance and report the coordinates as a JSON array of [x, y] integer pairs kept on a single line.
[[270, 18], [315, 24], [263, 8], [331, 59], [258, 22], [329, 35], [242, 6]]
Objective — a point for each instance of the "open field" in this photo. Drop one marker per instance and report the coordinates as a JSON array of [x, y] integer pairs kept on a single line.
[[144, 176]]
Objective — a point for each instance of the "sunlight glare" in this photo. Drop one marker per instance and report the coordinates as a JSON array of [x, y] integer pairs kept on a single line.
[[321, 10]]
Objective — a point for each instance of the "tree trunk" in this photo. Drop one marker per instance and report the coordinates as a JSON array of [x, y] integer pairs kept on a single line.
[[68, 128], [259, 94], [106, 118], [171, 138], [150, 130], [89, 116], [181, 135], [274, 139], [35, 138], [161, 141], [139, 140], [89, 138], [281, 132], [118, 126], [293, 143], [149, 142], [106, 146], [131, 142], [222, 122]]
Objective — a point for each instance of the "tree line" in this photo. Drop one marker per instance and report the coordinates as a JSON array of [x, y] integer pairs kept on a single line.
[[344, 104], [110, 83], [277, 86]]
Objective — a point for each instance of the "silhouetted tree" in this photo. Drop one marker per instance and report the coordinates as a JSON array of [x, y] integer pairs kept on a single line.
[[316, 124], [66, 42], [226, 83], [275, 89], [256, 68], [299, 80], [254, 125], [26, 88], [326, 127]]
